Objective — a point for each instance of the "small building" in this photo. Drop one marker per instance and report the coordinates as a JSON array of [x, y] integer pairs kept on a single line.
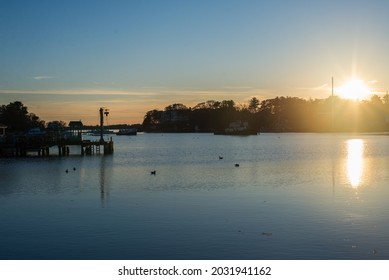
[[2, 133], [2, 129], [75, 130]]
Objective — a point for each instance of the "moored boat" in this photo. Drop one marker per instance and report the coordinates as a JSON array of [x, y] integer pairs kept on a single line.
[[237, 128], [127, 131]]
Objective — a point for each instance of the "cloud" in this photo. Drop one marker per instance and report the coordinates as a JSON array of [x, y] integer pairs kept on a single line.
[[237, 87], [73, 92], [43, 77], [144, 91], [315, 88]]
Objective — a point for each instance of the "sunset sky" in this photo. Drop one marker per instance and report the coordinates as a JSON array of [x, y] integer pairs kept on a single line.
[[66, 59]]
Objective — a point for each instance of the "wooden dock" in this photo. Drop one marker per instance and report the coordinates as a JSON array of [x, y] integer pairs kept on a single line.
[[45, 148], [38, 143]]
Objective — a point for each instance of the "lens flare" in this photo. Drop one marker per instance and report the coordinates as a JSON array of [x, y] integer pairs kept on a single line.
[[354, 89]]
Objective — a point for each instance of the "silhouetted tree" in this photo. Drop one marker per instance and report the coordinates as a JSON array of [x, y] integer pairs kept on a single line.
[[176, 118], [227, 104], [176, 107], [56, 125], [16, 116], [254, 104], [280, 114], [152, 119]]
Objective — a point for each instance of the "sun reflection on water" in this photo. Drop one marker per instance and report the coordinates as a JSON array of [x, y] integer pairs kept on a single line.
[[355, 162]]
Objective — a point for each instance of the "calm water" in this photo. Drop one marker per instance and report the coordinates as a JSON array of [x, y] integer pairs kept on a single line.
[[294, 196]]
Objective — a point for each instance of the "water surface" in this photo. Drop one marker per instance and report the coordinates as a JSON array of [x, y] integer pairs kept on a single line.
[[293, 196]]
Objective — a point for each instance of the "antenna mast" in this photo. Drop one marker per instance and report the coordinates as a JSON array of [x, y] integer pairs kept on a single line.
[[332, 106], [103, 111]]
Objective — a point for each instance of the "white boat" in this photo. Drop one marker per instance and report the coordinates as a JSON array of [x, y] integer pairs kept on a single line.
[[237, 128], [97, 132], [127, 131]]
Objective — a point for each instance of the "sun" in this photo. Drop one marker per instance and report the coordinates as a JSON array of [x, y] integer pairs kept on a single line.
[[354, 89]]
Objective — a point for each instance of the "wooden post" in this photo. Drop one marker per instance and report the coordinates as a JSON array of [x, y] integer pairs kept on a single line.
[[101, 124]]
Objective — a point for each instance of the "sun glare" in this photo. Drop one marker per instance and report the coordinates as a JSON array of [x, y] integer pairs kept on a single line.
[[354, 89], [354, 162]]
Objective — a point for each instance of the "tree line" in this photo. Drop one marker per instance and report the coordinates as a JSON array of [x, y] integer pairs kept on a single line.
[[280, 114]]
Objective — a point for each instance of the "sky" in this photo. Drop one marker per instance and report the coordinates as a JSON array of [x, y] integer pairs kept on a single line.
[[66, 59]]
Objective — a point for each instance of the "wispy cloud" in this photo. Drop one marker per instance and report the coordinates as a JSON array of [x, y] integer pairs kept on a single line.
[[154, 87], [315, 88], [73, 92], [144, 91], [43, 77], [237, 87]]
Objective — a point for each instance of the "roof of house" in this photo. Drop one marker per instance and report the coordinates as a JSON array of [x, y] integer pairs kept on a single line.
[[75, 123]]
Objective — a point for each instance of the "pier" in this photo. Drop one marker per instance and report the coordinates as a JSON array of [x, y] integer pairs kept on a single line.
[[45, 148], [37, 143]]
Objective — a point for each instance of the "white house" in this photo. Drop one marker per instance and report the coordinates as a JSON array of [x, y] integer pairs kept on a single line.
[[2, 129]]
